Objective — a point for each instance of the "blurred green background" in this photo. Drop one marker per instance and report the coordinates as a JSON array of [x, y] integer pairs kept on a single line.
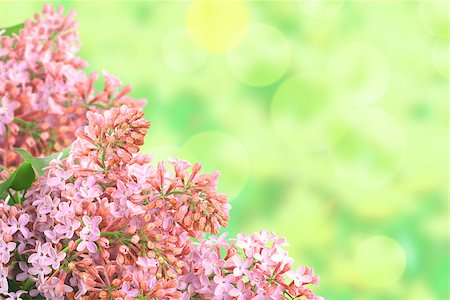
[[328, 120]]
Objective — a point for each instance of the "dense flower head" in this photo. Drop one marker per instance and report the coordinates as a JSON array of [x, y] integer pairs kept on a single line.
[[107, 223], [250, 267], [106, 217], [44, 91]]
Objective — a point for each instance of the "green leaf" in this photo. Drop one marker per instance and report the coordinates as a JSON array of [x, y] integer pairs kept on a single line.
[[4, 186], [13, 286], [39, 163], [24, 177], [9, 31], [21, 179]]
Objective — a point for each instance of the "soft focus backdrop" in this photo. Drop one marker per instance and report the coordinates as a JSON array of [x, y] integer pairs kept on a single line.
[[328, 120]]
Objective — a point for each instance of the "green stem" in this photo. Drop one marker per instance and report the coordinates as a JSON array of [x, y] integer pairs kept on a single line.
[[67, 248], [23, 122], [112, 233], [18, 198], [6, 169], [13, 199]]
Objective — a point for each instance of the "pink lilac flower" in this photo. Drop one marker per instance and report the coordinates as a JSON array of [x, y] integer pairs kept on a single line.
[[44, 91], [101, 229], [7, 109], [53, 258], [255, 267], [19, 225], [128, 291], [55, 289], [241, 292], [15, 295], [106, 222], [3, 279], [5, 251], [224, 285], [89, 234], [23, 266]]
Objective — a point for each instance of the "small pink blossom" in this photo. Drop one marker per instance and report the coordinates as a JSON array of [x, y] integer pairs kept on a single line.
[[15, 295], [19, 225], [5, 251]]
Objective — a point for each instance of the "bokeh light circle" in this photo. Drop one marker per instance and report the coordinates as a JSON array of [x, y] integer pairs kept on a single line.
[[180, 52], [320, 8], [302, 209], [441, 57], [379, 261], [360, 74], [370, 149], [303, 114], [375, 203], [262, 57], [218, 22], [435, 17], [219, 151]]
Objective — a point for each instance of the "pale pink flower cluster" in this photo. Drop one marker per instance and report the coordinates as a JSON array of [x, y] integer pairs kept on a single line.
[[44, 92], [105, 223], [250, 267]]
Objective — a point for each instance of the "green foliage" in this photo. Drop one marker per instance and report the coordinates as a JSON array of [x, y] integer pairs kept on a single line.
[[13, 29], [39, 163], [24, 176], [20, 179]]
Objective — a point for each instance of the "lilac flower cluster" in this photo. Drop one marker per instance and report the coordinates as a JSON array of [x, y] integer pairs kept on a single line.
[[105, 222], [44, 92], [254, 267]]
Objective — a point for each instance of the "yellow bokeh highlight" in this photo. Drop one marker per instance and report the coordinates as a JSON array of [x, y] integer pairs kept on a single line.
[[435, 17], [256, 61], [220, 23], [379, 262], [303, 114]]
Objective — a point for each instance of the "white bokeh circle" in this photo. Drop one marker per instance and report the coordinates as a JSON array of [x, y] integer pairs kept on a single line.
[[262, 57], [303, 114], [360, 74], [320, 8], [370, 149], [440, 56], [379, 261], [435, 17], [181, 53]]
